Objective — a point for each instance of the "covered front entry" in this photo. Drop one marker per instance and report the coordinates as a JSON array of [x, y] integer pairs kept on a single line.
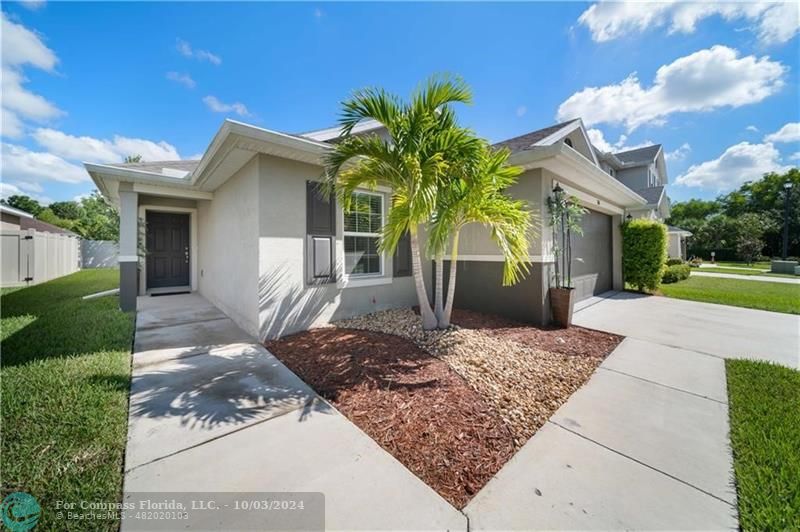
[[168, 253], [591, 256]]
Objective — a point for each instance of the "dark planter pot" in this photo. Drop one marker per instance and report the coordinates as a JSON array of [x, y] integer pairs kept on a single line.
[[562, 301]]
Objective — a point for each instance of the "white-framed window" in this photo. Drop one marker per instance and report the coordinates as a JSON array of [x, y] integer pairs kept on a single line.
[[362, 227]]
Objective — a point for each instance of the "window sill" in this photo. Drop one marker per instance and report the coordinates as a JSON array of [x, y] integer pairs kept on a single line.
[[355, 282]]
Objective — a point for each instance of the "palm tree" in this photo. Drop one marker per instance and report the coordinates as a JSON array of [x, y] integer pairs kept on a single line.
[[476, 194], [425, 143]]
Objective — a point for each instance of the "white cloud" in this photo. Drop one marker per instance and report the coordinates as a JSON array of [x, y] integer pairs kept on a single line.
[[23, 189], [21, 164], [788, 133], [318, 14], [680, 153], [186, 50], [100, 150], [521, 110], [739, 163], [22, 48], [184, 79], [702, 81], [754, 129], [33, 5], [795, 156], [599, 141], [11, 126], [773, 23], [213, 103]]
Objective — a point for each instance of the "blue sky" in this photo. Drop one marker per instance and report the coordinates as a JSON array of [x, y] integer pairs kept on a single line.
[[717, 85]]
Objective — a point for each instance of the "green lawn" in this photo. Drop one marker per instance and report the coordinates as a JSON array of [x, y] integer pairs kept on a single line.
[[765, 436], [778, 297], [65, 381], [738, 271]]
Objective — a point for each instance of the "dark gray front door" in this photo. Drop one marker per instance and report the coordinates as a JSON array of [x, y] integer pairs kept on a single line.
[[591, 256], [167, 256]]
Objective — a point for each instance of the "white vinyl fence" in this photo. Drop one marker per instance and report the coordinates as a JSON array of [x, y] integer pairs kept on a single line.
[[32, 257], [99, 254]]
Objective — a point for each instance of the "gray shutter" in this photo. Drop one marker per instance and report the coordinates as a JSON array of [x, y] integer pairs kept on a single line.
[[401, 262], [320, 236]]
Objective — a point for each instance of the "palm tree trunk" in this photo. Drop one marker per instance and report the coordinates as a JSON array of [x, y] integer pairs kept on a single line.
[[444, 322], [438, 303], [428, 319]]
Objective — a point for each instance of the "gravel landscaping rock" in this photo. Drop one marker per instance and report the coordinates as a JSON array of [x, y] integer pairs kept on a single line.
[[504, 364]]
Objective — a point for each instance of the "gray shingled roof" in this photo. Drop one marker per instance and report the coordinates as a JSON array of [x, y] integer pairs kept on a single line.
[[646, 154], [44, 227], [524, 142], [651, 194], [156, 166]]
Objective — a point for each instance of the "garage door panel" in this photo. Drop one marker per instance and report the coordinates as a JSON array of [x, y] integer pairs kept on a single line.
[[591, 256]]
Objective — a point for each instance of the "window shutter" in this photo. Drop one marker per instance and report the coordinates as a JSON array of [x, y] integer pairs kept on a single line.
[[401, 262], [320, 235]]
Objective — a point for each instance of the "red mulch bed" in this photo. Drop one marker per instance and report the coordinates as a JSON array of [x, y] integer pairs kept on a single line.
[[575, 341], [414, 405]]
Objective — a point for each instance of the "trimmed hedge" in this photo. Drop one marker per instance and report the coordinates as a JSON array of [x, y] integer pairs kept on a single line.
[[675, 272], [644, 252]]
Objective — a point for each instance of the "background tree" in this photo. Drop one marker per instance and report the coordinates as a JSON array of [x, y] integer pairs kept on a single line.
[[133, 159], [25, 203], [69, 210], [751, 228], [425, 141]]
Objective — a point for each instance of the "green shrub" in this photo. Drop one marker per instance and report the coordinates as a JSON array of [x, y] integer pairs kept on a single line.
[[675, 273], [696, 262], [673, 262], [644, 251]]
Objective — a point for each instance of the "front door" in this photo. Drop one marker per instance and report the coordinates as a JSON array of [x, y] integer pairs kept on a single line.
[[167, 255]]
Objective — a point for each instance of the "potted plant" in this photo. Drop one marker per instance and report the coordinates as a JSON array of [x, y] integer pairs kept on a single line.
[[565, 220]]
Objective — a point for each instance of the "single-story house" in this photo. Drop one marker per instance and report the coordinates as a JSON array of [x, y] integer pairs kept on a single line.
[[11, 218], [246, 227]]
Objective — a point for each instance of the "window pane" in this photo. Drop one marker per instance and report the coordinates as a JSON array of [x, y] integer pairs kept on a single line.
[[361, 255]]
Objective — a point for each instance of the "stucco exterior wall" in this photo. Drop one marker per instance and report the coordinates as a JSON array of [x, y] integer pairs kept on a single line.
[[286, 302], [228, 229]]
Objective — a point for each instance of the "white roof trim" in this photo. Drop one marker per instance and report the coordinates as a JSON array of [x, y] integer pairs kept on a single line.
[[16, 212], [566, 130], [336, 131]]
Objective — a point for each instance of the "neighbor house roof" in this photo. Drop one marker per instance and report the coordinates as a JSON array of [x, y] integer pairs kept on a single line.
[[528, 140], [16, 212], [683, 232], [44, 227], [651, 194], [639, 155]]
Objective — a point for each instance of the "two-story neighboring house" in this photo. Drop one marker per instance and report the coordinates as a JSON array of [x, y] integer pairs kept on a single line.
[[644, 170]]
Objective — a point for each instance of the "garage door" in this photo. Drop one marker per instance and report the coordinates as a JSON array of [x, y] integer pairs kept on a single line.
[[591, 254]]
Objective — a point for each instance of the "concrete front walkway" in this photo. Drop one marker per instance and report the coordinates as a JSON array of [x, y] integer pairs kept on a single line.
[[766, 278], [643, 445], [211, 410]]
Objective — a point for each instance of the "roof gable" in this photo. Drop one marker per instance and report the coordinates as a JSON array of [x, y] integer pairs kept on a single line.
[[647, 154], [571, 129]]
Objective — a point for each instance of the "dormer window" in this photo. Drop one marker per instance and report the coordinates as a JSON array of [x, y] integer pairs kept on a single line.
[[568, 142]]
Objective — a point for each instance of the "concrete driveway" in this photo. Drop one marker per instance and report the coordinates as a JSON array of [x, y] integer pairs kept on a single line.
[[211, 410], [719, 330]]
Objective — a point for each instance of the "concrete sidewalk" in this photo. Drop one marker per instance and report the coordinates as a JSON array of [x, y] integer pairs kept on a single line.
[[764, 278], [212, 411], [643, 445]]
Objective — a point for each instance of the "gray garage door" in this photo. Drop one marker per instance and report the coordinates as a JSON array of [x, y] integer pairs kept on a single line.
[[591, 256]]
